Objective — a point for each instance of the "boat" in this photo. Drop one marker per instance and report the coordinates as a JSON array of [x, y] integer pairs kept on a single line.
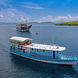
[[51, 54], [23, 27]]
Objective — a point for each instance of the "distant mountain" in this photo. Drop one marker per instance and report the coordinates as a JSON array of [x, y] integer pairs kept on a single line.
[[75, 23], [30, 23], [40, 23], [7, 23], [47, 23]]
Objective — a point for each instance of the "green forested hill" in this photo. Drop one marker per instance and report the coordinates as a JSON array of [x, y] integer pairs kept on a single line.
[[69, 23]]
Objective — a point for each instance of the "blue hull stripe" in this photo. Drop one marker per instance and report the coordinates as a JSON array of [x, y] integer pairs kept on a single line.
[[34, 57]]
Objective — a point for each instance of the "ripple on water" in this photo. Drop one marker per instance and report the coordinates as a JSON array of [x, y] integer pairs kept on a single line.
[[12, 66]]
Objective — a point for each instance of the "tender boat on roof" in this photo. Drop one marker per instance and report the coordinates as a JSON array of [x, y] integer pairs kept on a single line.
[[44, 53]]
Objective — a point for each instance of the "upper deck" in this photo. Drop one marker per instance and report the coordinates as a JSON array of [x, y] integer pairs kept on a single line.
[[46, 47]]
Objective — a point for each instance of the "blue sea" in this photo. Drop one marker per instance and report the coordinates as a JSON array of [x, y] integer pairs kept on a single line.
[[12, 66]]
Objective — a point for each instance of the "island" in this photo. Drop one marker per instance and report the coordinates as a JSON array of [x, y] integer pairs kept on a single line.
[[71, 23]]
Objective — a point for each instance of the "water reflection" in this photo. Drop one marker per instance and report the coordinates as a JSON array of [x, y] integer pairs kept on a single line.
[[17, 67], [24, 34]]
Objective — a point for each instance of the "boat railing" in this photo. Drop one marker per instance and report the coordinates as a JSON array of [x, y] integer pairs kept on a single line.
[[27, 43]]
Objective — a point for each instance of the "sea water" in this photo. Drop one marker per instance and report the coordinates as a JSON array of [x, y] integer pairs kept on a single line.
[[12, 66]]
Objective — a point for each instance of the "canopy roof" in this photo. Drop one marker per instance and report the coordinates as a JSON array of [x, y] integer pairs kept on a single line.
[[46, 47], [20, 39]]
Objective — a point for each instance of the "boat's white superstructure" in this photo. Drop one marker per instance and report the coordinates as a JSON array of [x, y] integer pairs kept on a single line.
[[45, 47], [40, 52]]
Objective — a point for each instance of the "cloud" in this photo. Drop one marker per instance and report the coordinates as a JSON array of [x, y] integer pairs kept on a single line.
[[30, 3], [12, 15], [57, 19], [1, 16], [24, 20], [66, 18], [5, 3], [33, 7]]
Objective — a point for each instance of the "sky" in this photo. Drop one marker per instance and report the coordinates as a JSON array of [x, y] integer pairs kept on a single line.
[[13, 11]]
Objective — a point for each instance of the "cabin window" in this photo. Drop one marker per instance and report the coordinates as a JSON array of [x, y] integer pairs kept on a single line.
[[11, 47], [59, 53], [37, 49], [18, 46], [24, 50], [21, 47], [43, 50], [32, 49]]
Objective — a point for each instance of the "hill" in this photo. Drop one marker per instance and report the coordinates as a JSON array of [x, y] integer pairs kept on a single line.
[[46, 23], [40, 23], [75, 23]]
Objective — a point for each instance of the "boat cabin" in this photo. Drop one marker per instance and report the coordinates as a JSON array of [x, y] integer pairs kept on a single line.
[[46, 51], [22, 26]]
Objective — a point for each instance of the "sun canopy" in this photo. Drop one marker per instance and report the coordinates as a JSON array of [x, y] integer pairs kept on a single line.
[[20, 39]]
